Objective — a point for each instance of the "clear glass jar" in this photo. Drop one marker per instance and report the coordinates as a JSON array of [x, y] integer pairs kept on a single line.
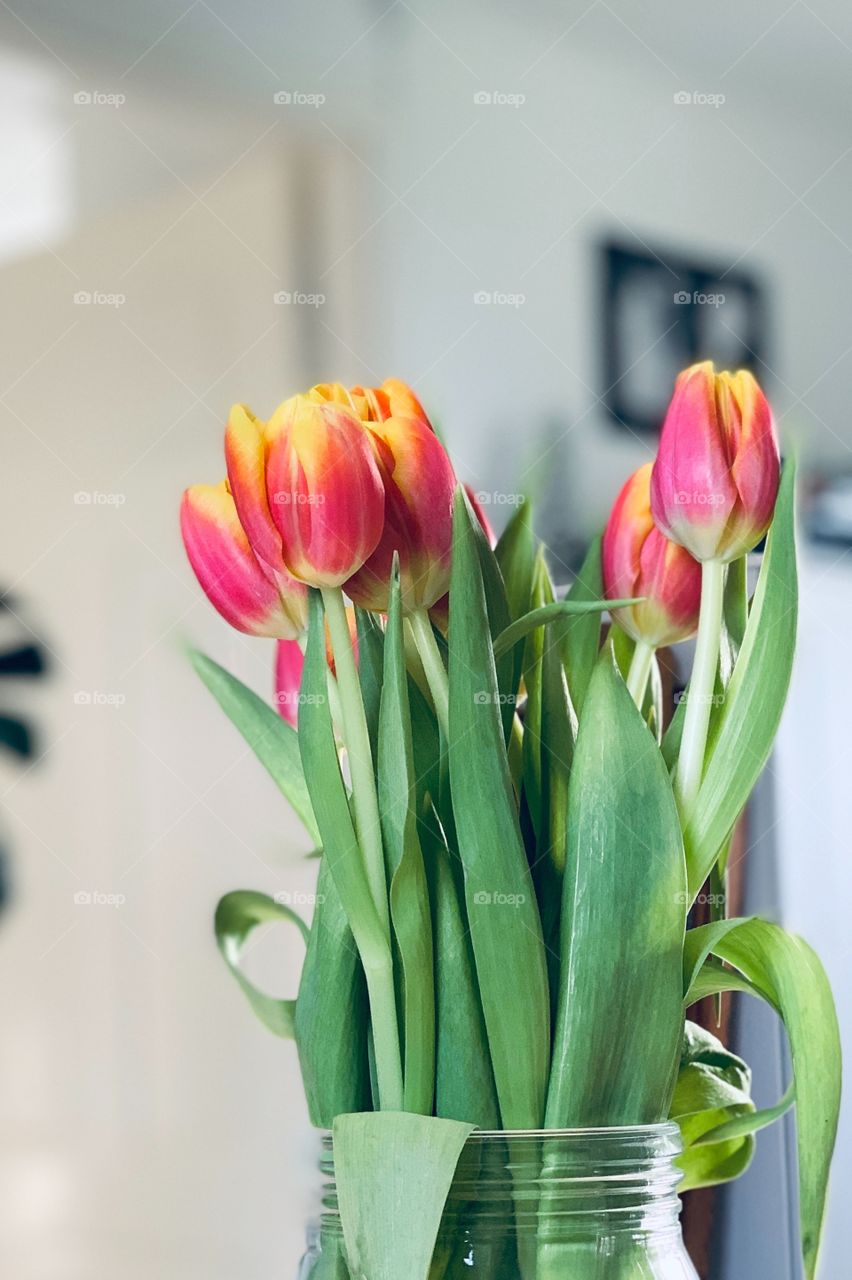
[[581, 1204]]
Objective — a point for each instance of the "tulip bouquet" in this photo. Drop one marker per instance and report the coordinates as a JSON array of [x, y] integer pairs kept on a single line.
[[512, 830]]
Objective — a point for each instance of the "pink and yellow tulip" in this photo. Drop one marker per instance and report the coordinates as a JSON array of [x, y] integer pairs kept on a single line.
[[419, 484], [246, 593], [307, 487], [715, 480], [639, 561]]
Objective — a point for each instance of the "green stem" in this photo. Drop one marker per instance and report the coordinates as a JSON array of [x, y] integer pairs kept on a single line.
[[357, 739], [640, 669], [433, 666], [378, 968], [699, 694]]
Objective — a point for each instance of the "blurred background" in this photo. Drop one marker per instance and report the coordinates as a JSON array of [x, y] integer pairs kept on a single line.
[[535, 216]]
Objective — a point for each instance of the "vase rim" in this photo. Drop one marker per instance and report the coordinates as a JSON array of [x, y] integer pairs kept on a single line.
[[629, 1130]]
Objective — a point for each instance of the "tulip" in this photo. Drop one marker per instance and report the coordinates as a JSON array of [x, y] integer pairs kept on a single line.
[[244, 591], [715, 480], [639, 561], [323, 488], [419, 484], [393, 399], [713, 491]]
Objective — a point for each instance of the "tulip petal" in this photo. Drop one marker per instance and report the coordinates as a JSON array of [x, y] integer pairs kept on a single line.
[[324, 490], [289, 661], [245, 456], [419, 484], [226, 567], [692, 492], [638, 560]]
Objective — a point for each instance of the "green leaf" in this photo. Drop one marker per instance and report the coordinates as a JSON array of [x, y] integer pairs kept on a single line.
[[273, 741], [623, 910], [542, 595], [394, 1172], [583, 633], [515, 554], [755, 695], [409, 893], [332, 1016], [236, 916], [558, 730], [370, 660], [550, 613], [502, 912], [464, 1079], [334, 819], [508, 667], [713, 1087], [784, 970]]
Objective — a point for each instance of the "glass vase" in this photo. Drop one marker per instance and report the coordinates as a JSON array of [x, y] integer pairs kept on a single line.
[[581, 1204]]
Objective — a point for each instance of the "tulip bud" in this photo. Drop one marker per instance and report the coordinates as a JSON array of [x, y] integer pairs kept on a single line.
[[639, 561], [234, 581], [324, 489], [715, 480], [419, 484]]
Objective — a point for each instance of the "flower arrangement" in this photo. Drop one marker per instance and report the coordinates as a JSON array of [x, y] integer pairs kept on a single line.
[[511, 834]]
